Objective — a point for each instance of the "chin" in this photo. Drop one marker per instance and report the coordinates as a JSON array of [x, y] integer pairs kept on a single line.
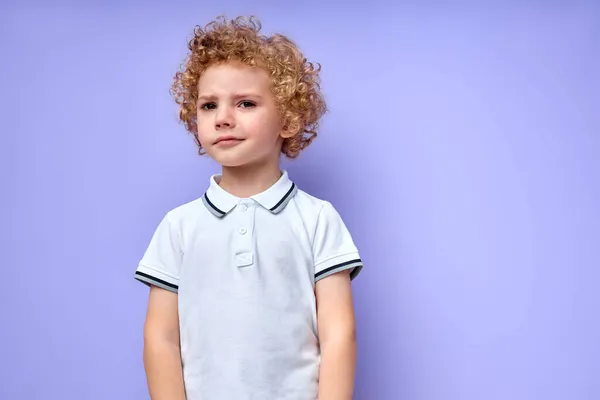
[[230, 160], [231, 164], [237, 157]]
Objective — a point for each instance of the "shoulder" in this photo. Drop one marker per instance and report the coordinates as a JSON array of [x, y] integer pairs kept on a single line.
[[192, 212], [318, 215], [311, 205], [186, 208], [318, 209]]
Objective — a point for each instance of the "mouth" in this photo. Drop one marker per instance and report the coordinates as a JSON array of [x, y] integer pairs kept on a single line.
[[226, 141]]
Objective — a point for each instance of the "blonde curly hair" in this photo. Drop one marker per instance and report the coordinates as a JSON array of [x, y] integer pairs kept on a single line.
[[295, 81]]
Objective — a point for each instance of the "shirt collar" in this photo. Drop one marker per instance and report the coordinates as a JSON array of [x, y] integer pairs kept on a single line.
[[220, 202]]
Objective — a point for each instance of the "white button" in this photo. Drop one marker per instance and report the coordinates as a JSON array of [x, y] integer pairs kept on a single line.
[[243, 207], [243, 231]]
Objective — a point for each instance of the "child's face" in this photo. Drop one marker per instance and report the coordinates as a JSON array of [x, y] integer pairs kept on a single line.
[[238, 120]]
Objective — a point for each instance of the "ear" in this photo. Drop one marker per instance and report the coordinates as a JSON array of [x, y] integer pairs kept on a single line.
[[289, 127], [286, 134], [288, 131]]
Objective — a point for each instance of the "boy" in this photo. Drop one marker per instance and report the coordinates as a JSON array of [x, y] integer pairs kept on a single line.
[[242, 277]]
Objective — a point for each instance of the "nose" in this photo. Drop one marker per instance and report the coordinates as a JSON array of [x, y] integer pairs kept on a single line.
[[224, 118]]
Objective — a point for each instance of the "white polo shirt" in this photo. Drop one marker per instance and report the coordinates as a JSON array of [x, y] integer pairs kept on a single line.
[[245, 272]]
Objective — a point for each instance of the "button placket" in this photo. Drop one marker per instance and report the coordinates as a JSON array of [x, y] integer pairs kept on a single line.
[[244, 256]]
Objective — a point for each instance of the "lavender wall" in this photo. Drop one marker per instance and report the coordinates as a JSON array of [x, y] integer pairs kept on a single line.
[[462, 148]]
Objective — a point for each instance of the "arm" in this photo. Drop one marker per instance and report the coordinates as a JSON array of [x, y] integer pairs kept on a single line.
[[335, 319], [162, 357]]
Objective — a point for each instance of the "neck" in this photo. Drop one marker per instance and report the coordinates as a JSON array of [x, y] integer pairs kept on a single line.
[[249, 180]]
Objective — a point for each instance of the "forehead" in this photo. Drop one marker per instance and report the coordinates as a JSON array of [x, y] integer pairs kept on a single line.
[[233, 77]]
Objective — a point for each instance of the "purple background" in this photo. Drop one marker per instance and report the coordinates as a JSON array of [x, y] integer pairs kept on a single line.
[[462, 149]]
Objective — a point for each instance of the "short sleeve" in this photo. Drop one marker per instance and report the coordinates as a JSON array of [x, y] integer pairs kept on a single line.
[[333, 248], [160, 264]]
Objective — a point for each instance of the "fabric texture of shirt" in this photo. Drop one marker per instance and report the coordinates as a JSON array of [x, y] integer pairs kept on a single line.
[[245, 271]]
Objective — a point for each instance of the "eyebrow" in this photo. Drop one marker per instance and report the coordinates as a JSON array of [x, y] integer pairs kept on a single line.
[[237, 96]]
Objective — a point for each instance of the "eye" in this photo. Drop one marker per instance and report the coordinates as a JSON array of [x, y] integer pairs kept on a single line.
[[247, 104], [208, 106]]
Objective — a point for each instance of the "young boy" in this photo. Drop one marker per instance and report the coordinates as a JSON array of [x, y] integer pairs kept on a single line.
[[250, 284]]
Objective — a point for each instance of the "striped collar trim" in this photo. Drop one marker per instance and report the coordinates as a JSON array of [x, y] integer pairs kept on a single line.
[[220, 202]]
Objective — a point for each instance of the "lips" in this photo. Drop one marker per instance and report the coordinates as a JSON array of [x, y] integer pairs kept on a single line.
[[227, 139]]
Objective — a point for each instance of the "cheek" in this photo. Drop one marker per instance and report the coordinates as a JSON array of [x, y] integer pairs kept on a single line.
[[267, 126], [202, 128]]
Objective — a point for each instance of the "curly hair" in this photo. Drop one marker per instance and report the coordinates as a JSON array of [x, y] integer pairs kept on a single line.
[[295, 82]]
